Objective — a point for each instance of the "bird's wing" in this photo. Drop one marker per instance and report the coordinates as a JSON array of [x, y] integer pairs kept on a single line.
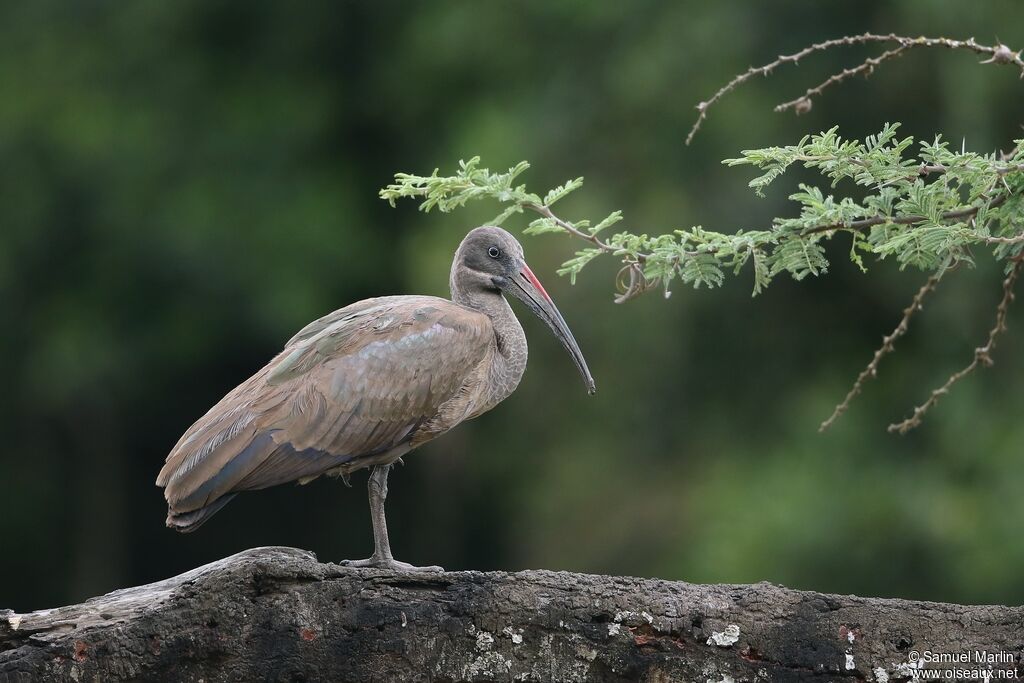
[[358, 382], [359, 308]]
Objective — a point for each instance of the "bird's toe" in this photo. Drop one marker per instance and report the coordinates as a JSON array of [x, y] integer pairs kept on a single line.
[[389, 563]]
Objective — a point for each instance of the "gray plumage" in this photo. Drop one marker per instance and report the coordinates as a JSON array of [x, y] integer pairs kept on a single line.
[[366, 384]]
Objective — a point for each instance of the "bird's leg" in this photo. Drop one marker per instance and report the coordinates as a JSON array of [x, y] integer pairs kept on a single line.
[[382, 558]]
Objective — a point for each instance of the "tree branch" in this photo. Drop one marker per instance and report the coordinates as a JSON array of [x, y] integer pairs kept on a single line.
[[966, 212], [982, 354], [976, 202], [803, 104], [279, 614], [887, 347], [998, 54], [546, 211]]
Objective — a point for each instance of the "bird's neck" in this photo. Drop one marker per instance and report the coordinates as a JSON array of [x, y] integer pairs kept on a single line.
[[509, 339]]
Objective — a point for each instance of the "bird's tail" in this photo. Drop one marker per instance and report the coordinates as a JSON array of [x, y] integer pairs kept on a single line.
[[186, 522]]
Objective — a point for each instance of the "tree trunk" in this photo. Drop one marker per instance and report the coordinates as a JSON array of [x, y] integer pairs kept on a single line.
[[279, 614]]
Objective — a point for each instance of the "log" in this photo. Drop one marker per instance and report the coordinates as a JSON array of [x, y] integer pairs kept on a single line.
[[278, 614]]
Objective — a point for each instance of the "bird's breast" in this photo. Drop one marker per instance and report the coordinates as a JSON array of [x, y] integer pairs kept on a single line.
[[502, 375]]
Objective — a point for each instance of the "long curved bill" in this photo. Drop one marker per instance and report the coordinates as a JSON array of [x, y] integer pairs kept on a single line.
[[530, 291]]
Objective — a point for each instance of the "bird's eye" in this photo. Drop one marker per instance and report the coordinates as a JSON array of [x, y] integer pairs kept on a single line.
[[494, 252]]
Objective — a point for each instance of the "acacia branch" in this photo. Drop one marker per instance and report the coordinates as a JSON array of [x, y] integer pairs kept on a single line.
[[630, 280], [802, 104], [966, 212], [887, 347], [573, 231], [701, 257], [998, 54], [982, 354]]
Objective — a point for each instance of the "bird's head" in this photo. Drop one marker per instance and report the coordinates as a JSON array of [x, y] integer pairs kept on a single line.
[[491, 260]]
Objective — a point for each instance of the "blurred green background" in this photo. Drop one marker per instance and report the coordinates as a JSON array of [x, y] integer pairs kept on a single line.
[[186, 184]]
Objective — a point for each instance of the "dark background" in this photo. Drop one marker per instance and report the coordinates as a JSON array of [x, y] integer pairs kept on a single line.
[[184, 185]]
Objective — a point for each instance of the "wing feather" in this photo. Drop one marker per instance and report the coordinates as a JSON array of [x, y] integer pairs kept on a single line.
[[359, 382]]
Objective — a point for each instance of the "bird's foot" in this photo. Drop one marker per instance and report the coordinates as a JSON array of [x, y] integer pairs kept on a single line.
[[389, 563]]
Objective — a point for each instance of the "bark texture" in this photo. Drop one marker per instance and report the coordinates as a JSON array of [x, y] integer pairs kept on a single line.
[[279, 614]]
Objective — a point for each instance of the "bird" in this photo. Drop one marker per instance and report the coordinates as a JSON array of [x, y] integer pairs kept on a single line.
[[365, 385]]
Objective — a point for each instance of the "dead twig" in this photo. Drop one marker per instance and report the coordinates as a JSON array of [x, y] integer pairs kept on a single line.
[[982, 354], [998, 54], [802, 104], [887, 347]]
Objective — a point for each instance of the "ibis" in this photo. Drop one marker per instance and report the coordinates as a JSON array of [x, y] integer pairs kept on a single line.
[[366, 384]]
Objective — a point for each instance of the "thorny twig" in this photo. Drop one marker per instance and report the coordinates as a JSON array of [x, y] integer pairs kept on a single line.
[[982, 354], [998, 54], [887, 347], [802, 104]]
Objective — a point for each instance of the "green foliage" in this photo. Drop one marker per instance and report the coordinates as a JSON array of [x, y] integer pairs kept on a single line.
[[926, 211], [447, 193], [573, 266]]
